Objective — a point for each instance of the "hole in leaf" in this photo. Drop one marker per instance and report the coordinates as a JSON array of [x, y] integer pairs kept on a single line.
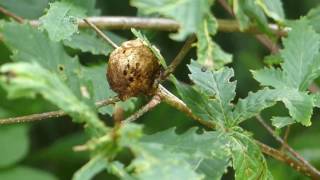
[[61, 67], [204, 69]]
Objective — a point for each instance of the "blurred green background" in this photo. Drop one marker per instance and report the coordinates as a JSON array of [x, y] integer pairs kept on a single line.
[[43, 150]]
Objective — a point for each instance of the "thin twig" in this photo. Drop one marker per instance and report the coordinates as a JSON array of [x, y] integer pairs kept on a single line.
[[12, 15], [268, 128], [313, 88], [104, 37], [150, 105], [182, 53], [285, 137], [286, 146], [225, 5], [268, 43], [52, 114]]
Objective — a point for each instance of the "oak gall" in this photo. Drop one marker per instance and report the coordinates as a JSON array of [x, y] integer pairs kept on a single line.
[[132, 70]]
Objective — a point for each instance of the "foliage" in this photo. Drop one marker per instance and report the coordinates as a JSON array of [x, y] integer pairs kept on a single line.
[[201, 22], [58, 66], [61, 14], [301, 47]]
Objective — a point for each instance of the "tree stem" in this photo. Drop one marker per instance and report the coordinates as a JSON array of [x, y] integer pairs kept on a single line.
[[298, 166], [161, 24], [178, 59]]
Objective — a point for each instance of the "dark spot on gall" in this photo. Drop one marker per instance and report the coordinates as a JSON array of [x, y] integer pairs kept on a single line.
[[131, 79], [125, 72]]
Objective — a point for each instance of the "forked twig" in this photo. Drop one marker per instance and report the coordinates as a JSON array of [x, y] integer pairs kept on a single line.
[[155, 100], [287, 147]]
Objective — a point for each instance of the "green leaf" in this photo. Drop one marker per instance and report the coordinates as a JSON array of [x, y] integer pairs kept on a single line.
[[101, 88], [86, 41], [254, 103], [208, 149], [300, 67], [210, 98], [248, 14], [314, 16], [216, 85], [273, 8], [29, 79], [300, 55], [152, 160], [153, 48], [209, 53], [280, 122], [273, 59], [15, 144], [201, 106], [316, 99], [56, 152], [270, 77], [61, 20], [118, 169], [194, 17], [220, 57], [88, 5], [26, 173], [248, 161], [37, 47], [189, 13], [27, 9], [91, 168], [298, 103]]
